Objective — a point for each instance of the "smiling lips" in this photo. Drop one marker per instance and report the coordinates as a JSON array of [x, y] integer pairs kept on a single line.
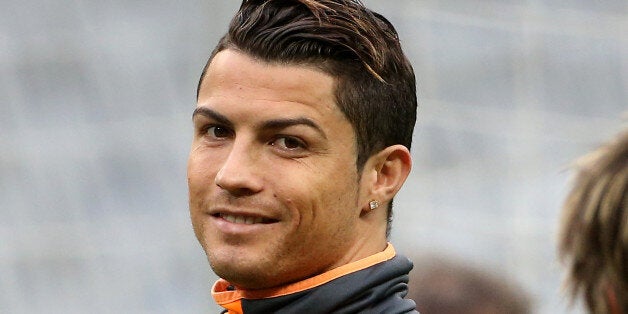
[[247, 220]]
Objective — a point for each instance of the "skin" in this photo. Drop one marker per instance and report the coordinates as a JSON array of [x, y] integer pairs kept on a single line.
[[275, 196]]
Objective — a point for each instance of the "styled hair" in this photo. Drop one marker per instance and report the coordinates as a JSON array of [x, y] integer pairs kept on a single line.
[[594, 229], [375, 83]]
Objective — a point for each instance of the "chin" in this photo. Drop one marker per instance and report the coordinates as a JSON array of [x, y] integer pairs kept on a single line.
[[243, 278], [237, 269]]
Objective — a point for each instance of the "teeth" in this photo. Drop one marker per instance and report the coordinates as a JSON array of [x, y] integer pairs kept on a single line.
[[247, 220]]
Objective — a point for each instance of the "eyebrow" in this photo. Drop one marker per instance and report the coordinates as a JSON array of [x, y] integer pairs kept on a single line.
[[277, 124], [204, 111], [273, 124]]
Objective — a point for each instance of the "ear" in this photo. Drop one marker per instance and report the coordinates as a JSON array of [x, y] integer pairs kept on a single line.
[[384, 173]]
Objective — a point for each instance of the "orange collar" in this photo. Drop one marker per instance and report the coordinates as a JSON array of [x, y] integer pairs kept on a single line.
[[223, 296]]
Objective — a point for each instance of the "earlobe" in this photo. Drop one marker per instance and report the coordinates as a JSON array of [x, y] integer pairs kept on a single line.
[[390, 168]]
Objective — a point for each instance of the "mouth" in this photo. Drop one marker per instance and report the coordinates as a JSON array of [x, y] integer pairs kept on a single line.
[[244, 219]]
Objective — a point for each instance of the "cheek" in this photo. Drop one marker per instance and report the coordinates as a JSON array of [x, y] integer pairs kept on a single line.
[[200, 180], [199, 170], [323, 193]]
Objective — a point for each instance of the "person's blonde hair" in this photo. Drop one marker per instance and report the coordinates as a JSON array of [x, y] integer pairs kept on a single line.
[[593, 241]]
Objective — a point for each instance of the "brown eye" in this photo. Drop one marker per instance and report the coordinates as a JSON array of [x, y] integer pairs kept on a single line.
[[218, 132], [289, 143]]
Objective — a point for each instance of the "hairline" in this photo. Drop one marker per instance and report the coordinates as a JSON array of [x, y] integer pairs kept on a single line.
[[312, 64]]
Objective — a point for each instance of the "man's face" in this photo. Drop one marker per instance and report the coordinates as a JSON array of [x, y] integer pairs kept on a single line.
[[274, 190]]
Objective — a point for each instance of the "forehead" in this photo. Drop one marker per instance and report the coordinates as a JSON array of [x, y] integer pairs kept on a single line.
[[232, 74]]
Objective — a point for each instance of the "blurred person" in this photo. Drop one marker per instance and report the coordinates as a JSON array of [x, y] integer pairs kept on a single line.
[[302, 132], [447, 286], [594, 229]]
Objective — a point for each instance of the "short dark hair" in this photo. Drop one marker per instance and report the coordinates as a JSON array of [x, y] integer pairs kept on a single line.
[[594, 229], [375, 83], [444, 285]]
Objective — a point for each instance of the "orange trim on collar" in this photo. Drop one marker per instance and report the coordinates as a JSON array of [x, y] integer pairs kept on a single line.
[[225, 298]]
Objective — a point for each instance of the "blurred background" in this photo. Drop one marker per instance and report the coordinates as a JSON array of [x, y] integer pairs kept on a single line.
[[96, 100]]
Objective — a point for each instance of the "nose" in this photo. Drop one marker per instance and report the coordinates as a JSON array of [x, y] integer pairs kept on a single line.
[[240, 174]]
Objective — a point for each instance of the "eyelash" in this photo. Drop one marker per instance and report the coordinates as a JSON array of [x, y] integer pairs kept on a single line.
[[205, 130], [301, 145]]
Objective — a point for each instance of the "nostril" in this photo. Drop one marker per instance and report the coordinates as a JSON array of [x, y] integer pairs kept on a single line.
[[238, 175], [239, 192], [238, 187]]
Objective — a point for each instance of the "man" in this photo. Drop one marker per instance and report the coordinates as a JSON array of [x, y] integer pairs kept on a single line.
[[594, 229], [302, 134]]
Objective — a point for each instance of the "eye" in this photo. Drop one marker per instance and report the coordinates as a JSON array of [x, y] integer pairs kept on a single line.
[[288, 143], [217, 132]]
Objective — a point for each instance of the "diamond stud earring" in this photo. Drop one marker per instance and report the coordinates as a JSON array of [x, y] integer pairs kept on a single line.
[[373, 204]]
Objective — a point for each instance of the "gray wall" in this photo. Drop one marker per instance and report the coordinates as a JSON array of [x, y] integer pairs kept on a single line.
[[95, 106]]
